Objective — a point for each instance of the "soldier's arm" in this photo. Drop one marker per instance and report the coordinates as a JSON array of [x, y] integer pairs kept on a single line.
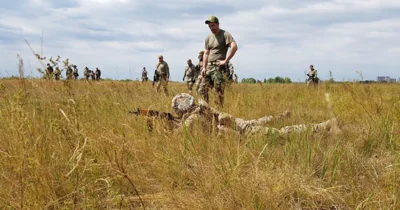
[[232, 51], [205, 60], [167, 70], [232, 45]]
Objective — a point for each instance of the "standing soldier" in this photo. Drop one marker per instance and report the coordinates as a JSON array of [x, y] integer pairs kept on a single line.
[[190, 75], [215, 58], [86, 73], [312, 77], [155, 77], [92, 75], [57, 74], [199, 67], [76, 73], [69, 72], [49, 71], [98, 74], [163, 74], [144, 75]]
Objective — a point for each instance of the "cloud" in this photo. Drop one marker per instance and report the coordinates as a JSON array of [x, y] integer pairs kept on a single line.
[[275, 37]]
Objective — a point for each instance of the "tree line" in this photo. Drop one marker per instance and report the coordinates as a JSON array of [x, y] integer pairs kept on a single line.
[[269, 80]]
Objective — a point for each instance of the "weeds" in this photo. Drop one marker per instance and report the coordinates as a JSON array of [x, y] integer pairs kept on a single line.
[[72, 145]]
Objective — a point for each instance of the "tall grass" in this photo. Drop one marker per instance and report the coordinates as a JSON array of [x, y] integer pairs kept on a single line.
[[72, 145]]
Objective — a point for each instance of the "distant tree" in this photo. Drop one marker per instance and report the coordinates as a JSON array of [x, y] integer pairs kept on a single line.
[[278, 80], [249, 80], [287, 80]]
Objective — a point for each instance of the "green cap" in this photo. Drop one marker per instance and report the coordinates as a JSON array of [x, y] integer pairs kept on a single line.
[[212, 19]]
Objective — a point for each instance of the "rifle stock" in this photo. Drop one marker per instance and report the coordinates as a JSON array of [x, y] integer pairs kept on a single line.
[[153, 113]]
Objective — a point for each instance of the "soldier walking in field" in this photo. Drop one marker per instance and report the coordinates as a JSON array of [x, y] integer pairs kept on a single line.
[[69, 73], [163, 74], [199, 67], [98, 74], [92, 75], [190, 75], [312, 77], [155, 78], [76, 73], [215, 58], [57, 73], [86, 73], [144, 75], [49, 71]]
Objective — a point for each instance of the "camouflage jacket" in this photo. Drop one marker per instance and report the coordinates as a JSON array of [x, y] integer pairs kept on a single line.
[[190, 73]]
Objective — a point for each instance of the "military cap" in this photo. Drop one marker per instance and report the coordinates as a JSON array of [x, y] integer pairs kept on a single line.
[[160, 56], [212, 19], [189, 60]]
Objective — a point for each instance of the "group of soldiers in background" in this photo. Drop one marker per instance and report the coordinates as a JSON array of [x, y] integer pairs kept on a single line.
[[71, 72], [94, 75], [192, 75]]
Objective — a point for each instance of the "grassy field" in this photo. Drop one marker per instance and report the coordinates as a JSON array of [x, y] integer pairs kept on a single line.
[[73, 145]]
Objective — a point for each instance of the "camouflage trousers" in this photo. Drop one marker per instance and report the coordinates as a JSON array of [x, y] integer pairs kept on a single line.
[[189, 85], [214, 78], [247, 127], [162, 82]]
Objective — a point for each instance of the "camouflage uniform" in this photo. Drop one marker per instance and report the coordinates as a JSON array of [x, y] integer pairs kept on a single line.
[[199, 67], [163, 75], [230, 71], [92, 75], [144, 75], [155, 78], [190, 75], [98, 74], [188, 113], [312, 76], [76, 73], [69, 73], [235, 78], [86, 73], [57, 74], [49, 71]]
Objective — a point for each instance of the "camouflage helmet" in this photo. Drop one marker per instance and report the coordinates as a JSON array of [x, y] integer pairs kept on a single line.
[[182, 103]]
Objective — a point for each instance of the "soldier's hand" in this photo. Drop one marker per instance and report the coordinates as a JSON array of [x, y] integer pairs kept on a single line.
[[221, 63], [203, 72]]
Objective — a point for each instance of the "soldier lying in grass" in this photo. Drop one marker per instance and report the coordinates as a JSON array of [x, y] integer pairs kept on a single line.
[[188, 113]]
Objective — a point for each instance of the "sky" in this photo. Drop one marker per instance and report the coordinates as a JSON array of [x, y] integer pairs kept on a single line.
[[354, 39]]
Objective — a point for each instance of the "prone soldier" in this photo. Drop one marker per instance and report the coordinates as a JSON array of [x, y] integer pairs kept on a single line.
[[188, 112]]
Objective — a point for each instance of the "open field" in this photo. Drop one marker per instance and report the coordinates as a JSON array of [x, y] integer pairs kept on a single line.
[[72, 145]]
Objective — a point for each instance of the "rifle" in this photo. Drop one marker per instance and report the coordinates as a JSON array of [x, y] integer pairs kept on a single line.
[[154, 113]]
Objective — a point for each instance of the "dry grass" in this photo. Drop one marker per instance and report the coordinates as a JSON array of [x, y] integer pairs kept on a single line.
[[72, 145]]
